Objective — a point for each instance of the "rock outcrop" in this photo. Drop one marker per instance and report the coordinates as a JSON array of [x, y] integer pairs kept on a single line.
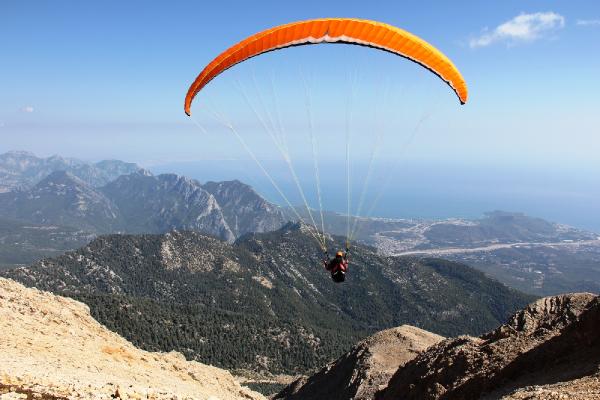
[[161, 203], [549, 350], [364, 370], [244, 209], [52, 348]]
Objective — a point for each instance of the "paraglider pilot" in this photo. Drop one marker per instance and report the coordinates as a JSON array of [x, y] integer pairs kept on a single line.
[[337, 266]]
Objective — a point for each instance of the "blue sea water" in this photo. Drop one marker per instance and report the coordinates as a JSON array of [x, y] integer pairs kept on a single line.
[[421, 190]]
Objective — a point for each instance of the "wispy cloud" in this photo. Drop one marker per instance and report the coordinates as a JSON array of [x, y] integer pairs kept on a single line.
[[27, 109], [588, 22], [522, 28]]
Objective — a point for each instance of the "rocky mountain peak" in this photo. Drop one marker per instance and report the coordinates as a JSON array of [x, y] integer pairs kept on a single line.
[[548, 350], [545, 315], [60, 177], [366, 369], [167, 202], [244, 209]]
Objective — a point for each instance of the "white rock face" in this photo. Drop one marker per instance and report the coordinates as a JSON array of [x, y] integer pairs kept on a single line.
[[51, 347]]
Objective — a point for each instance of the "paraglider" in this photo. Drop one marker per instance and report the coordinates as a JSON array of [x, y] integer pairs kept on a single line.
[[337, 266], [334, 30], [373, 34]]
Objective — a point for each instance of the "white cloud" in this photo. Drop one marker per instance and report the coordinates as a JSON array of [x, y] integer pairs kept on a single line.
[[27, 109], [522, 28], [588, 22]]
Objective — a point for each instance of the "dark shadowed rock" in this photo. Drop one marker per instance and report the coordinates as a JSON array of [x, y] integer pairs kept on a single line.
[[553, 340]]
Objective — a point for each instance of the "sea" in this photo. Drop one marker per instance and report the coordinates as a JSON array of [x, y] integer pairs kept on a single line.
[[413, 189]]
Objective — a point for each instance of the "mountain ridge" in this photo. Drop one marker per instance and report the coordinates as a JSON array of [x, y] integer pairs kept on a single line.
[[142, 203], [63, 199], [21, 170], [265, 282]]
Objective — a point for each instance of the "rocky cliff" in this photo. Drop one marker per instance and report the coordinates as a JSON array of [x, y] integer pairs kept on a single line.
[[551, 349], [244, 209], [160, 203], [365, 369], [52, 348]]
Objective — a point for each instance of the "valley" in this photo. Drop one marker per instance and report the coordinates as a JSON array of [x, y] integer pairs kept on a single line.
[[63, 210], [209, 299]]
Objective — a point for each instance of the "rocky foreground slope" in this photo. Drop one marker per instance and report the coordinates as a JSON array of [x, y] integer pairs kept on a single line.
[[556, 339], [549, 350], [51, 348]]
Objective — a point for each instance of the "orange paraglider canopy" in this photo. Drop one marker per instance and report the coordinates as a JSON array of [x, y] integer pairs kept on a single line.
[[334, 30]]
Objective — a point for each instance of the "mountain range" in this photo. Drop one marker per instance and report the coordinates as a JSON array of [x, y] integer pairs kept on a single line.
[[77, 201], [21, 170], [265, 302], [119, 200]]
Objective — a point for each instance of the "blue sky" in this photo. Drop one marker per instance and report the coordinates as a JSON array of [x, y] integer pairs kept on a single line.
[[107, 79]]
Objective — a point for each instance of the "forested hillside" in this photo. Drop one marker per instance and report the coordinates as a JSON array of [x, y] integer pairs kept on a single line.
[[265, 302]]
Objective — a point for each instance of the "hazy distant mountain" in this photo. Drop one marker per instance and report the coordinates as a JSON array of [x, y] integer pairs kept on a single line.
[[244, 209], [156, 204], [143, 203], [62, 199], [500, 226], [23, 170], [265, 302], [397, 236]]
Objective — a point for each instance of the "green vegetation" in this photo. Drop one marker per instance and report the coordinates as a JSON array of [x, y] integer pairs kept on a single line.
[[264, 303], [23, 243], [541, 270]]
